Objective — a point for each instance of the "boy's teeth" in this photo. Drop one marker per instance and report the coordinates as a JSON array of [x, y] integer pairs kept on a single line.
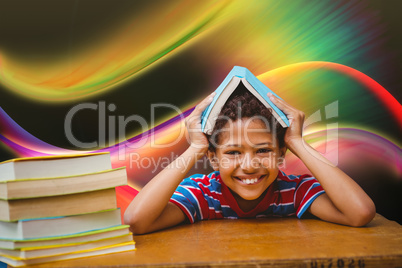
[[249, 181]]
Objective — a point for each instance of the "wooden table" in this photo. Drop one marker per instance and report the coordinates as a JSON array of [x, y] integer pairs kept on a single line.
[[280, 242]]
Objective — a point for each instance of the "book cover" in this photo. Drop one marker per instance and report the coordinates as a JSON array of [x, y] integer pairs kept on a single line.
[[47, 251], [236, 76], [73, 238], [61, 205], [51, 227], [54, 166], [40, 187], [123, 247]]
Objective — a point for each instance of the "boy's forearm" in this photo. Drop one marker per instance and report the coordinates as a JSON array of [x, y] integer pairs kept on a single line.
[[150, 202], [347, 196]]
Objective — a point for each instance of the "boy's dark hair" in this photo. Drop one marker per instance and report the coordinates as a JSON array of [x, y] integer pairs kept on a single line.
[[243, 104]]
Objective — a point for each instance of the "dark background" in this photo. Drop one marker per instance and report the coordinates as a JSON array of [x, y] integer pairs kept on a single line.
[[30, 29]]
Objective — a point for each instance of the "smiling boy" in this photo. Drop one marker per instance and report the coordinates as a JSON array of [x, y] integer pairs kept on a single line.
[[246, 150]]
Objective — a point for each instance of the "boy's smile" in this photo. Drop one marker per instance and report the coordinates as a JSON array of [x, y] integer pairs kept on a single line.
[[247, 158], [250, 180]]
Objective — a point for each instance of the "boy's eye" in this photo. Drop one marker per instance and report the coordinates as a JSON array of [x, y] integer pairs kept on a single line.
[[264, 150], [232, 152]]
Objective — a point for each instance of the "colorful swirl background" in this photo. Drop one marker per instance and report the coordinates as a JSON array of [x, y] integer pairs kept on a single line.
[[338, 61]]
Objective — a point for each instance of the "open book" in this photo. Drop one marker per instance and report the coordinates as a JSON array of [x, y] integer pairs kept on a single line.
[[239, 76]]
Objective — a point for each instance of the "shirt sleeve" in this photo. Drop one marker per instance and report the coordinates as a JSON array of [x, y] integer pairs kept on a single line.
[[307, 190], [189, 197]]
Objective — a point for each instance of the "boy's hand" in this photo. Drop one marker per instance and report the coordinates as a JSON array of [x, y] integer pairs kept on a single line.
[[151, 210], [344, 201], [296, 119], [193, 123]]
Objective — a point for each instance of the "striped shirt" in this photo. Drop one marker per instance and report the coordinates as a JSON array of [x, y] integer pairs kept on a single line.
[[204, 197]]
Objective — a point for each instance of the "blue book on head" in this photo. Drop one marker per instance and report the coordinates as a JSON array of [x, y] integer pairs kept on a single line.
[[236, 76]]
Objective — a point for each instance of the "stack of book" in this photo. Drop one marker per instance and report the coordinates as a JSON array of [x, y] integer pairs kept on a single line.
[[60, 207]]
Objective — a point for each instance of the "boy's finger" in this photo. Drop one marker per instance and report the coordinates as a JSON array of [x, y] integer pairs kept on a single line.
[[203, 104], [281, 104]]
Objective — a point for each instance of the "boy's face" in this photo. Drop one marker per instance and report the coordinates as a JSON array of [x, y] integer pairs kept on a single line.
[[247, 157]]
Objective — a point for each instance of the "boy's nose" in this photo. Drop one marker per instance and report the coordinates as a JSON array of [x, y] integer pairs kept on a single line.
[[249, 164]]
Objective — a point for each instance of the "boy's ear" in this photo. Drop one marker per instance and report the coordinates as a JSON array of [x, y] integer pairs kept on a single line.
[[213, 160]]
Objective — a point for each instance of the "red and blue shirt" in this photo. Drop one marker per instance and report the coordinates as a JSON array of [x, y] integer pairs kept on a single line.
[[204, 197]]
